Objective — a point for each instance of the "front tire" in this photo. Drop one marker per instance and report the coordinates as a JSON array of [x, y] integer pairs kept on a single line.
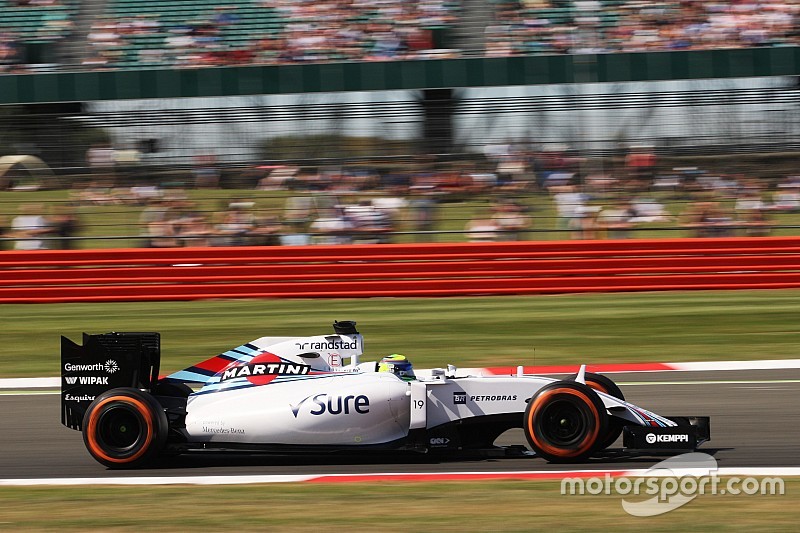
[[124, 428], [602, 383], [565, 422]]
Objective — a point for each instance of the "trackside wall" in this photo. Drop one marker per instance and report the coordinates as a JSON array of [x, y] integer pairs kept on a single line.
[[402, 270]]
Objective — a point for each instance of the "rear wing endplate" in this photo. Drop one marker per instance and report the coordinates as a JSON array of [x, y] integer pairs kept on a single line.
[[104, 362]]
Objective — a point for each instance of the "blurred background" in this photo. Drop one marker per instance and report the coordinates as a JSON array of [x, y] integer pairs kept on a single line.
[[131, 123]]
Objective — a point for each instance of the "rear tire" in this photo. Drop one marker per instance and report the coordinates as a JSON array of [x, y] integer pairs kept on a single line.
[[565, 422], [124, 428]]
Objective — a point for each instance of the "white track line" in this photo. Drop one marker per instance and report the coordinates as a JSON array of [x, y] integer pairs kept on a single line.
[[156, 480], [766, 364], [408, 477], [712, 382], [29, 383]]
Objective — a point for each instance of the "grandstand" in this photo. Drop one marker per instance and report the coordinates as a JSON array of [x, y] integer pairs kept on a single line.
[[137, 33], [606, 26], [141, 33], [29, 28], [155, 33]]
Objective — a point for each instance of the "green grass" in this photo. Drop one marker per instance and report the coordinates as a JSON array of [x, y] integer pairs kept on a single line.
[[510, 506], [565, 329]]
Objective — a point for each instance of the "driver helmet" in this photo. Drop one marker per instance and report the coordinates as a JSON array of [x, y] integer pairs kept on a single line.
[[399, 365]]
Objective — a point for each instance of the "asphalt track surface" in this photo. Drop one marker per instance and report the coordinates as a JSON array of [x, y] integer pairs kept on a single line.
[[755, 422]]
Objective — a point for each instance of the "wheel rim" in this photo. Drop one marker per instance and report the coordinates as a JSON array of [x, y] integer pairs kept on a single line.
[[564, 423], [120, 429]]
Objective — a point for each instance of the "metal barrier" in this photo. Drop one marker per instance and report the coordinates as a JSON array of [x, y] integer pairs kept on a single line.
[[402, 270]]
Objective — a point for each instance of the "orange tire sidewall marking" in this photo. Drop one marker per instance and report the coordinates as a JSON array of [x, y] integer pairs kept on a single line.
[[90, 431], [587, 442], [596, 386]]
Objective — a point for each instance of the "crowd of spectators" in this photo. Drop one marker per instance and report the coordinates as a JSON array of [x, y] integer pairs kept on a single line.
[[356, 30], [713, 207], [37, 227], [275, 32], [703, 203], [632, 191], [172, 220], [11, 55], [601, 26], [505, 220], [360, 30], [291, 31], [528, 192], [24, 23]]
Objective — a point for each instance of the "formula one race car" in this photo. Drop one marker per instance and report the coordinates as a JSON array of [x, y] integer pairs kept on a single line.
[[296, 394]]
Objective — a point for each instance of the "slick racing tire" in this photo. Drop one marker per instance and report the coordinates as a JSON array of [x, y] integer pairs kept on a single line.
[[565, 422], [124, 428], [602, 383]]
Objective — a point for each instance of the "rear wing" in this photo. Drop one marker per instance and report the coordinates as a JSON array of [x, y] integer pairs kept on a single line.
[[104, 362]]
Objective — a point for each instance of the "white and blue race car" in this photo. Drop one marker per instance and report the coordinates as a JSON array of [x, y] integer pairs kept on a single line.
[[313, 394]]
